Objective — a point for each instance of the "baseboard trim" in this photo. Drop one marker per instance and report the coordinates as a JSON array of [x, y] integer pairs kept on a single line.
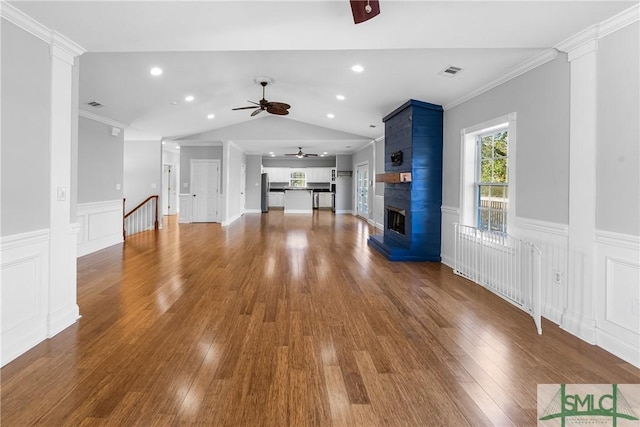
[[448, 261], [253, 211], [230, 221], [622, 349], [298, 211], [62, 319]]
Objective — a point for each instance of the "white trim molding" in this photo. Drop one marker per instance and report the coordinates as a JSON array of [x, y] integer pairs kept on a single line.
[[617, 294], [231, 220], [581, 41], [100, 225], [35, 28], [98, 118], [450, 215], [25, 292], [528, 65]]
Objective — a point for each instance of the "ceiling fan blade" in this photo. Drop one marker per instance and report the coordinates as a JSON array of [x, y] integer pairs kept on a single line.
[[255, 113], [278, 105], [277, 111], [246, 108], [310, 155]]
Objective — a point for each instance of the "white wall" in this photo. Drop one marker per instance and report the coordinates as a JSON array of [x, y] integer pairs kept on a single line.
[[253, 190], [618, 133], [100, 162], [26, 87], [231, 169], [597, 296], [38, 240], [142, 171]]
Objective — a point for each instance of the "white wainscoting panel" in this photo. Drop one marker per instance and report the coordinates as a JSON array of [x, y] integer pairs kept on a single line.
[[184, 216], [378, 212], [617, 288], [100, 225], [450, 216], [25, 292], [552, 240]]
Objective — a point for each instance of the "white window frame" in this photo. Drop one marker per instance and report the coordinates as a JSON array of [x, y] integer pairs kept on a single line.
[[297, 170], [469, 168], [479, 183]]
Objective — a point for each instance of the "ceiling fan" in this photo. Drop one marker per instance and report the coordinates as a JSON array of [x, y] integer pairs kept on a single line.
[[300, 154], [278, 108]]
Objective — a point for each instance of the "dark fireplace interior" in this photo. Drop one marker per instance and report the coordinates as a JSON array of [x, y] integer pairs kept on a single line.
[[395, 219]]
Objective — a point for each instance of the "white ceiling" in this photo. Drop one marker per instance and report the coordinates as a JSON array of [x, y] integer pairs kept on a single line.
[[214, 50]]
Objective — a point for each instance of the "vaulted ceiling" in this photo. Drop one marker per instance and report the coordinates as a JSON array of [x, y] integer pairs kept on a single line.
[[217, 50]]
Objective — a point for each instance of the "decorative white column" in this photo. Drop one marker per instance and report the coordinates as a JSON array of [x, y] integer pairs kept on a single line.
[[63, 309], [579, 312]]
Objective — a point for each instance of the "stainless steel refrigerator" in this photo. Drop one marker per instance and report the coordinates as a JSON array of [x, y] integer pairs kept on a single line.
[[264, 193]]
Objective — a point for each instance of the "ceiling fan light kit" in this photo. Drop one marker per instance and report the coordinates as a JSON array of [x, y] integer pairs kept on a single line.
[[272, 107], [300, 154]]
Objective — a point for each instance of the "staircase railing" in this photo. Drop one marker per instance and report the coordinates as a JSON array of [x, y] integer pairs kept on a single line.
[[141, 218]]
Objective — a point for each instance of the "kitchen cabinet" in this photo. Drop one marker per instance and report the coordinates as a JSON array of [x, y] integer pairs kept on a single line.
[[325, 200], [277, 174], [318, 174], [276, 199]]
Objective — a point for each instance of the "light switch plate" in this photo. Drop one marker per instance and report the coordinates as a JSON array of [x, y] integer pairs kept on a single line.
[[62, 194], [118, 187]]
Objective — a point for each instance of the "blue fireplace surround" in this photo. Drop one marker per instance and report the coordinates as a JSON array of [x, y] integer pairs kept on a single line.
[[415, 129]]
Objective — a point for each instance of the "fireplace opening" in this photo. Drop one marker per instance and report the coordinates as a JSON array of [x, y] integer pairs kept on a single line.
[[395, 219]]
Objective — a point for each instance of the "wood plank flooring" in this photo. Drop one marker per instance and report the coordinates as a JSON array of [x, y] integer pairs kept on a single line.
[[288, 321]]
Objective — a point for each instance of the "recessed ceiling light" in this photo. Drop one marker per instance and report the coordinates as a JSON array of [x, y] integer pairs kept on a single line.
[[330, 115], [273, 155], [270, 152], [163, 142], [325, 153], [155, 71], [178, 147], [189, 98], [321, 155], [340, 97], [210, 116], [357, 68], [174, 103]]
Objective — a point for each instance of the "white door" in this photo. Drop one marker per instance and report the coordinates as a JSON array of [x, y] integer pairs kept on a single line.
[[243, 186], [205, 188], [362, 190]]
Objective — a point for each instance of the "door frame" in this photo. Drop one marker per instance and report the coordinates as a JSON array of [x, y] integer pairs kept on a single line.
[[357, 190], [218, 163]]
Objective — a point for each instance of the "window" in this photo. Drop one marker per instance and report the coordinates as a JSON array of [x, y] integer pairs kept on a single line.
[[492, 186], [297, 178], [488, 174]]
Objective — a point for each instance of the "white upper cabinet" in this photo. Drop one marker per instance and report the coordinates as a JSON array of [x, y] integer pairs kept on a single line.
[[277, 174], [318, 174]]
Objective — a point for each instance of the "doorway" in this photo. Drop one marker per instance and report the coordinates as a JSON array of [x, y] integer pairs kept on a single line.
[[169, 199], [205, 190], [362, 190]]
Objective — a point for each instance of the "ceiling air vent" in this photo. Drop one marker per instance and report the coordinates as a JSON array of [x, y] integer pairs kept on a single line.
[[95, 104], [450, 71]]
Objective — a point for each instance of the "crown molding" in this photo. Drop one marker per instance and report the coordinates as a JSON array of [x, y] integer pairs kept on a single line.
[[101, 119], [528, 65], [30, 25], [584, 40]]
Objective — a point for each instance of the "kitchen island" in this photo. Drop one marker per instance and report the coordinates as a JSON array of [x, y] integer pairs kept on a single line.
[[298, 201]]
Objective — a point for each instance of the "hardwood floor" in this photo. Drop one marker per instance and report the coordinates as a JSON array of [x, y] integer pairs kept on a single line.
[[288, 321]]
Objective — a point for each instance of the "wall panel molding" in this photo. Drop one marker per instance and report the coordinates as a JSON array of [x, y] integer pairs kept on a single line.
[[25, 292], [617, 294], [100, 225]]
